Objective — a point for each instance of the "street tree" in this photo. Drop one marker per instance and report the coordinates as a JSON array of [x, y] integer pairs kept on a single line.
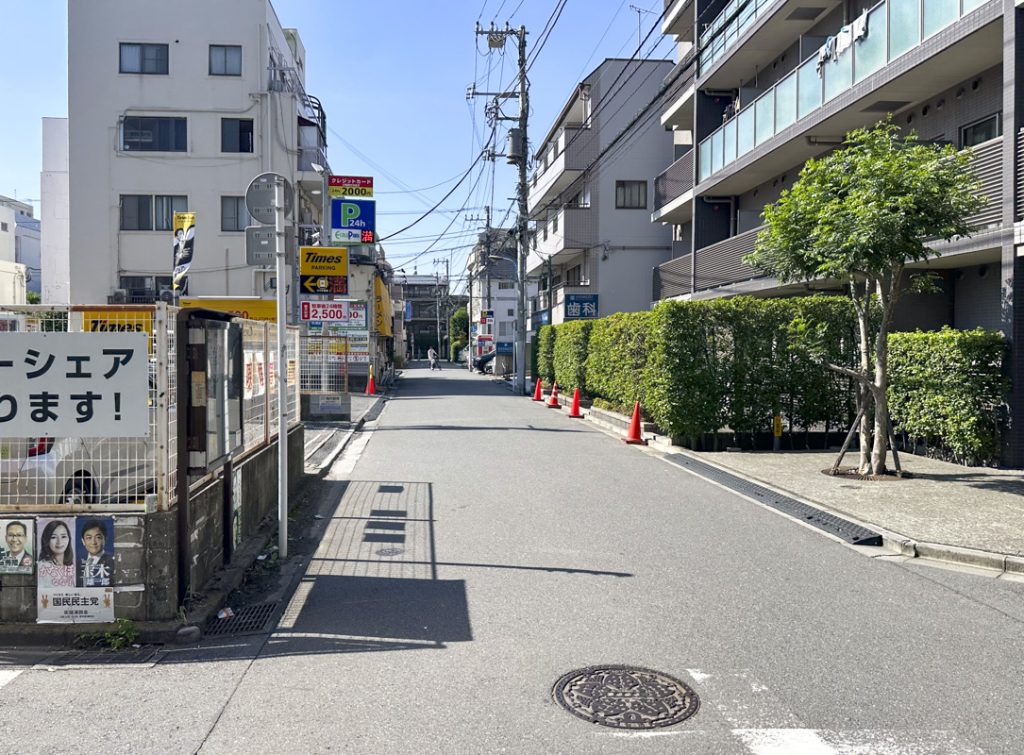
[[860, 215], [458, 328]]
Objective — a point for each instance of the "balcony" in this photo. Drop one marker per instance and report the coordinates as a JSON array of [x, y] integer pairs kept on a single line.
[[565, 159], [722, 263], [681, 95], [572, 229], [673, 192], [678, 19], [748, 34], [308, 179], [673, 278], [832, 102]]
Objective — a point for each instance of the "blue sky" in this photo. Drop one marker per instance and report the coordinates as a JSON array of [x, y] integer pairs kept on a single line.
[[392, 76]]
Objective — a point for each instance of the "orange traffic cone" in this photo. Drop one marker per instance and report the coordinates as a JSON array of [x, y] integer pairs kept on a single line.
[[371, 389], [537, 393], [553, 398], [634, 435], [574, 413]]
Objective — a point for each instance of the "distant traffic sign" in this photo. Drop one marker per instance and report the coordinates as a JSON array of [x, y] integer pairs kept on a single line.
[[259, 197]]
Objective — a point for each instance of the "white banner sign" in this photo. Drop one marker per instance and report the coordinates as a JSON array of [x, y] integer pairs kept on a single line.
[[351, 314], [74, 385]]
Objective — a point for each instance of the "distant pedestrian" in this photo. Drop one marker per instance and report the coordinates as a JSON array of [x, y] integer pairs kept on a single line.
[[432, 356]]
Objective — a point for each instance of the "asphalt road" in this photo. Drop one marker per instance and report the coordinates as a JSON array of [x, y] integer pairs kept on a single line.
[[478, 546]]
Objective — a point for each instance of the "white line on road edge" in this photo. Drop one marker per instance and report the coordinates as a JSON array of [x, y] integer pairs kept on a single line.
[[8, 676]]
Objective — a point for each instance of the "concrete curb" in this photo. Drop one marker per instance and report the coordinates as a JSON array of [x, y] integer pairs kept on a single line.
[[1002, 563]]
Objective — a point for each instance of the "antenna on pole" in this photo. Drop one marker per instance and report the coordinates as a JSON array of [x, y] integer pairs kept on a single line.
[[639, 31]]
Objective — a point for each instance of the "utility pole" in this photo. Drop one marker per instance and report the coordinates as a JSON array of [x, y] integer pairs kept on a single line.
[[518, 154]]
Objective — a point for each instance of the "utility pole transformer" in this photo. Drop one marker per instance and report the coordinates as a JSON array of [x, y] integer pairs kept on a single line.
[[518, 154]]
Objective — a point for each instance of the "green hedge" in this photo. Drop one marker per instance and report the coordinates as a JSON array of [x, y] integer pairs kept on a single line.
[[947, 389], [570, 354], [546, 354], [700, 367], [617, 357]]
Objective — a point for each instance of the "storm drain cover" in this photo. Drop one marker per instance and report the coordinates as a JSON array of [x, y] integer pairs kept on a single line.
[[246, 620], [388, 552], [625, 697]]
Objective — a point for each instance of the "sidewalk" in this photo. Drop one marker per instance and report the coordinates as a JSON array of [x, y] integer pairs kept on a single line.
[[944, 511]]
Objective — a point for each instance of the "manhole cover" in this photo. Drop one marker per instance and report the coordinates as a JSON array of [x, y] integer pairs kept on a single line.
[[247, 620], [625, 697], [390, 552]]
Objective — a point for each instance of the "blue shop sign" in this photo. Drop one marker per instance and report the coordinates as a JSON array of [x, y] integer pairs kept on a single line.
[[503, 348], [580, 306]]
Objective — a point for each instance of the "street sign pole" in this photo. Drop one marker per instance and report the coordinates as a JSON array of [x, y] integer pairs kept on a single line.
[[281, 373]]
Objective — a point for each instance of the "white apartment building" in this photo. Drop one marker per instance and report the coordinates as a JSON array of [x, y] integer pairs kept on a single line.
[[591, 196], [491, 285], [26, 239], [176, 107]]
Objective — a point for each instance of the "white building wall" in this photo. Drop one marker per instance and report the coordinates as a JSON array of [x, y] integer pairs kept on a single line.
[[55, 238], [100, 172], [12, 283], [631, 245], [7, 230]]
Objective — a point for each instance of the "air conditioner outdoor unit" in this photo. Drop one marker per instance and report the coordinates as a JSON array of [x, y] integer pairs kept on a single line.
[[119, 296], [167, 296]]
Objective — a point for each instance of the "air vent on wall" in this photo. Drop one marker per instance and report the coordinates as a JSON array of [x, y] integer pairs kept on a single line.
[[807, 13], [885, 106]]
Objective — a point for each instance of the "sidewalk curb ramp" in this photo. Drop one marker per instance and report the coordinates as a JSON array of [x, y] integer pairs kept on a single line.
[[1000, 563]]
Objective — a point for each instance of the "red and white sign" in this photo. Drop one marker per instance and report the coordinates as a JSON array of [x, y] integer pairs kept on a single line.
[[352, 314]]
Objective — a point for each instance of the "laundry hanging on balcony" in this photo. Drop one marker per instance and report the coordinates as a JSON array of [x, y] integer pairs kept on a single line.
[[828, 50], [843, 41], [840, 43], [860, 25]]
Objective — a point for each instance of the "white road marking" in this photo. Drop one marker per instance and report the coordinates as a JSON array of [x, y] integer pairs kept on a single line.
[[784, 742], [7, 676]]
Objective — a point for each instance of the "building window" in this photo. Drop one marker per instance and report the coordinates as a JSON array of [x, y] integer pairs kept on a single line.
[[225, 60], [3, 226], [164, 208], [504, 329], [630, 195], [233, 215], [506, 285], [136, 212], [981, 131], [512, 312], [144, 212], [574, 276], [140, 134], [141, 58], [236, 135], [144, 289]]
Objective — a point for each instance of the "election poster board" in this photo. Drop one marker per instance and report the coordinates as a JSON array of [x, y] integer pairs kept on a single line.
[[75, 569], [74, 385], [17, 546]]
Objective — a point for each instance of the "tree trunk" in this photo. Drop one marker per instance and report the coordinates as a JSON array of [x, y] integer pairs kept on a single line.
[[863, 394], [887, 292]]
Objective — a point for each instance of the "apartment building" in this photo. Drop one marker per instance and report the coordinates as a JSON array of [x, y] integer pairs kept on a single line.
[[761, 86], [175, 107], [26, 240], [591, 197], [491, 272]]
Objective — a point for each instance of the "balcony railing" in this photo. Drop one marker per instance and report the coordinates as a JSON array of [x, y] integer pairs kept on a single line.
[[1020, 176], [673, 278], [722, 263], [894, 27], [987, 163], [675, 181], [310, 155], [728, 27]]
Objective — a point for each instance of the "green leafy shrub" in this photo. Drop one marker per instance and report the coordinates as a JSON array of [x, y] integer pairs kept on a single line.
[[570, 354], [617, 357], [947, 388], [546, 354]]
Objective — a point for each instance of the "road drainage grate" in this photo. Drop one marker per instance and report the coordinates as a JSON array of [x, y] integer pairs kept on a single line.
[[246, 620], [389, 552], [143, 654], [834, 525], [625, 697]]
